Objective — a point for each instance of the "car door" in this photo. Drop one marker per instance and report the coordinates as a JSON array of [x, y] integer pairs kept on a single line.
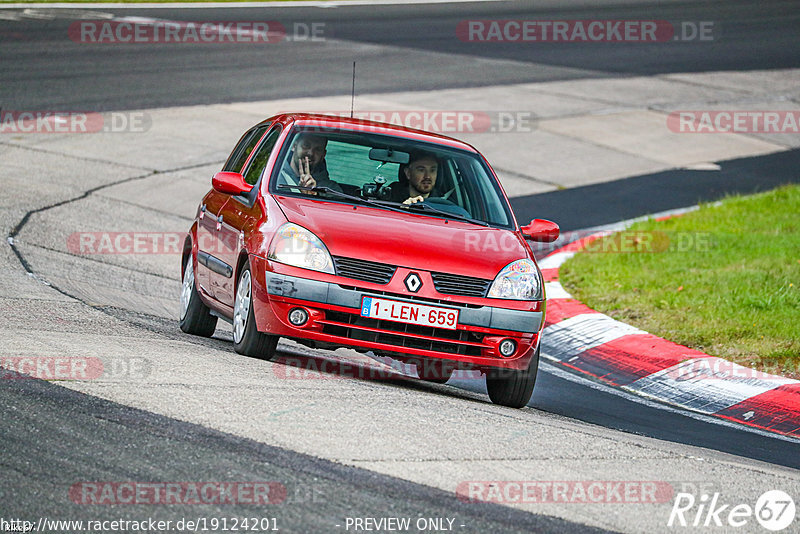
[[213, 271], [241, 213]]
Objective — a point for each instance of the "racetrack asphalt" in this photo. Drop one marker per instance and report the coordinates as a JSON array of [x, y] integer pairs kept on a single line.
[[54, 438], [398, 48]]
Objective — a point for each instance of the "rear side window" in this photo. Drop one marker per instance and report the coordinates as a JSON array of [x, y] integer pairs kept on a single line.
[[243, 149]]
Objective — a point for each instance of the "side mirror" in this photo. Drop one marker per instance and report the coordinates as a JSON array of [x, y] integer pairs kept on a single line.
[[541, 230], [231, 183]]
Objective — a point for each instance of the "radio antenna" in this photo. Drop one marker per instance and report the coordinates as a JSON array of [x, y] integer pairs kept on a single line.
[[353, 91]]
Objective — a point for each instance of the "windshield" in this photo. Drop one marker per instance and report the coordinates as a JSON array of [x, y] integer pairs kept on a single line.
[[391, 172]]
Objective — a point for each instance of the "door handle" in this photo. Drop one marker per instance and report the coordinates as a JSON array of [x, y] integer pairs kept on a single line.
[[202, 211], [219, 222]]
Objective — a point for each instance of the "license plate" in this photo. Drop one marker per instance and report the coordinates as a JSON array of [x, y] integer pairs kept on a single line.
[[407, 312]]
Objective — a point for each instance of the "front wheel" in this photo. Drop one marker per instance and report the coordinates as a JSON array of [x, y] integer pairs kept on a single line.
[[511, 387], [247, 339], [196, 318], [436, 371]]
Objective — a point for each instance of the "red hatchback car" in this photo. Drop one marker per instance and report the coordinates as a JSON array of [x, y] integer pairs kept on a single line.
[[338, 232]]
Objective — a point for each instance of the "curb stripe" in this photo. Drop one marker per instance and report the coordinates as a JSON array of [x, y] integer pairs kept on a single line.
[[777, 410], [630, 358], [566, 340], [554, 260], [621, 355], [683, 386], [549, 274], [559, 310], [554, 290]]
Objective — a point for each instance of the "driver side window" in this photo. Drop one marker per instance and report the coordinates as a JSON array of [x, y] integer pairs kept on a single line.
[[243, 149], [259, 161]]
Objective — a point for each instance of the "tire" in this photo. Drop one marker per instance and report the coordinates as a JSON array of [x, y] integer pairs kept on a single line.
[[247, 339], [510, 387], [196, 318], [435, 371]]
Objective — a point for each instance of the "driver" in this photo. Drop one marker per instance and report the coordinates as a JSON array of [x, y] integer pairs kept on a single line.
[[307, 167], [417, 178]]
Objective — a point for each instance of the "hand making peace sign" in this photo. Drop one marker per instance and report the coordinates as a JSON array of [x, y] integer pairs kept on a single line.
[[306, 180]]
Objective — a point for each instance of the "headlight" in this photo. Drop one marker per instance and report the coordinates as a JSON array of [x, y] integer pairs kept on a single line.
[[519, 280], [294, 245]]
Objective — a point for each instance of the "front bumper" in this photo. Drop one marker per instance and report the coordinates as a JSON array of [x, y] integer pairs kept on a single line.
[[335, 320]]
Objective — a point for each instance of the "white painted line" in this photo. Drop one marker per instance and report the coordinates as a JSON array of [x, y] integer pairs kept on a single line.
[[705, 166], [554, 261], [48, 13], [572, 336], [707, 385], [554, 290], [37, 14]]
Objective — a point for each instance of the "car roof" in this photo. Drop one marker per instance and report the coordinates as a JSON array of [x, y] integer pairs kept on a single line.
[[347, 123]]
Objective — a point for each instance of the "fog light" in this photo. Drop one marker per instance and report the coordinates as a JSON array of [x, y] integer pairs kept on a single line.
[[298, 316], [508, 347]]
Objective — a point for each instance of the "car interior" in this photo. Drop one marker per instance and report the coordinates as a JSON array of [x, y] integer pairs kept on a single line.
[[369, 169]]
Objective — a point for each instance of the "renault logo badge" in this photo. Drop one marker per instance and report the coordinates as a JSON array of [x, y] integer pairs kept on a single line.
[[413, 282]]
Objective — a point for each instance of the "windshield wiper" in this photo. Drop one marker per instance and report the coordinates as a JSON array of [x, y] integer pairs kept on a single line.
[[393, 206], [340, 194], [428, 207]]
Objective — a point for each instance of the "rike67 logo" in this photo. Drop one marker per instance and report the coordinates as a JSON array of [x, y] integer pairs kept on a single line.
[[774, 510]]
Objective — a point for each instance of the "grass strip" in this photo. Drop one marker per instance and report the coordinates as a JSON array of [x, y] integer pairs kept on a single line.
[[724, 279]]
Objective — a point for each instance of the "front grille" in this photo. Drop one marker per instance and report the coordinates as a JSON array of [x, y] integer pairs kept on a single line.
[[465, 286], [382, 273], [367, 271], [418, 337]]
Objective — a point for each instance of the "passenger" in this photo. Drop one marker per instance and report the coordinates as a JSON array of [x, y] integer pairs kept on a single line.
[[307, 167]]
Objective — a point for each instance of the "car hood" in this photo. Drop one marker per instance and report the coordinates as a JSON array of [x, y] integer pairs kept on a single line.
[[407, 239]]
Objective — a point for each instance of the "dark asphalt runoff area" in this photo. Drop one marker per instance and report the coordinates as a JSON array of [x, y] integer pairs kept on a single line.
[[53, 438], [50, 435]]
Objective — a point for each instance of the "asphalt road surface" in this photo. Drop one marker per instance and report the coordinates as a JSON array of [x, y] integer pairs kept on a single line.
[[43, 69]]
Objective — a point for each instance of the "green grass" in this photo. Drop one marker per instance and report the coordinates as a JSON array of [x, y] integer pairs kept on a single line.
[[724, 279]]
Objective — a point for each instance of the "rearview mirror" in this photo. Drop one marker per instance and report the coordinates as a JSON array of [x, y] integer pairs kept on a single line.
[[541, 230], [387, 155], [230, 183]]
